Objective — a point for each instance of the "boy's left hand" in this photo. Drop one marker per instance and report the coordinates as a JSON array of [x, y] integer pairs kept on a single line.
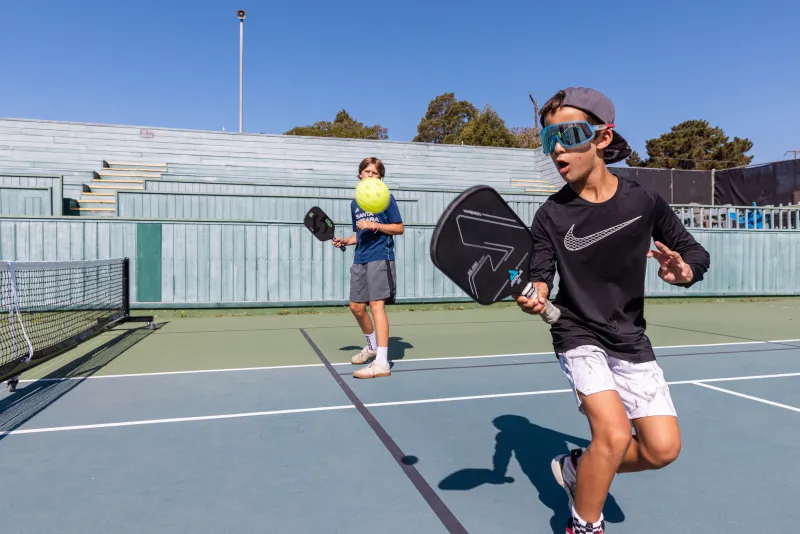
[[673, 269]]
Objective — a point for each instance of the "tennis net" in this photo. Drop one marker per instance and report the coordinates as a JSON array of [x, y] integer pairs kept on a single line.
[[47, 308]]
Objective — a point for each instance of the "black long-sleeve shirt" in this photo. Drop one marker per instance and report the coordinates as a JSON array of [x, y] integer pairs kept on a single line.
[[600, 251]]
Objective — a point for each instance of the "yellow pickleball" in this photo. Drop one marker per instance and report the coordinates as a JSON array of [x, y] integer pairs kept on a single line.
[[372, 195]]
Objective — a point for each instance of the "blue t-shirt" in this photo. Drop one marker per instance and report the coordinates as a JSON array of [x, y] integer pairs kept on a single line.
[[374, 246]]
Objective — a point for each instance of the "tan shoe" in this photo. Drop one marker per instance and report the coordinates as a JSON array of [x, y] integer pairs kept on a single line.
[[373, 370], [364, 356]]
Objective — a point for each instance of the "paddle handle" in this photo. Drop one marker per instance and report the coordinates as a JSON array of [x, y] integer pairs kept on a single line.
[[342, 247], [551, 313]]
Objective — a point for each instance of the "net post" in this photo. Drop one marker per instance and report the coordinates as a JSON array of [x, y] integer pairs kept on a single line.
[[126, 298], [126, 286]]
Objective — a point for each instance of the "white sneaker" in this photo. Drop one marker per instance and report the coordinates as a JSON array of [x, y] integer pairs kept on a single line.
[[364, 356], [565, 471], [373, 370]]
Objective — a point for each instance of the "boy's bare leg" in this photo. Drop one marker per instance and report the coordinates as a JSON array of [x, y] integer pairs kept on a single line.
[[381, 322], [611, 438], [657, 443], [380, 367], [359, 311], [612, 449], [369, 352], [382, 330]]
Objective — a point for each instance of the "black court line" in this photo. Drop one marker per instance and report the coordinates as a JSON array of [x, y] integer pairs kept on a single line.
[[448, 519], [286, 328], [723, 335]]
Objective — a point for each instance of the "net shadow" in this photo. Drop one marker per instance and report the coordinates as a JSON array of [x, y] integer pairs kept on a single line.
[[34, 397]]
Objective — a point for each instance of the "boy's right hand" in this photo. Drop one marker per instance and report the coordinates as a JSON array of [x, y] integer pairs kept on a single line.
[[534, 306], [338, 242]]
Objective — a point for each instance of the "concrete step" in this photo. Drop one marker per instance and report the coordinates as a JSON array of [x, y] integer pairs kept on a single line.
[[93, 210], [543, 191], [134, 165], [533, 183], [114, 176], [90, 201], [110, 187], [106, 181], [151, 170]]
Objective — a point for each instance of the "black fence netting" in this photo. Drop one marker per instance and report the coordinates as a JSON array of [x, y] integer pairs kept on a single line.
[[675, 186], [656, 180], [692, 187], [763, 185]]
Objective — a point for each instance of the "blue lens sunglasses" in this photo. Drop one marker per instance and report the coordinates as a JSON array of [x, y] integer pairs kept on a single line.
[[569, 134]]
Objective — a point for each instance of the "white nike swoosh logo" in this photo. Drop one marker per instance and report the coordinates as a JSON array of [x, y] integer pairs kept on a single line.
[[573, 243]]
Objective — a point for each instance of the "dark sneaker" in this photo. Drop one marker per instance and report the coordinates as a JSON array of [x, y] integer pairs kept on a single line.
[[565, 471]]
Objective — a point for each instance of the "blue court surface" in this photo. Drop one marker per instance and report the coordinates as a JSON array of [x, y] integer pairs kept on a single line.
[[443, 445]]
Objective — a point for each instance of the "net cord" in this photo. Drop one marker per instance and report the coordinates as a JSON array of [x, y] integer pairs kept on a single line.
[[14, 306]]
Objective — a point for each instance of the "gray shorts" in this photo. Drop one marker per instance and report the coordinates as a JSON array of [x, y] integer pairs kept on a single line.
[[373, 281]]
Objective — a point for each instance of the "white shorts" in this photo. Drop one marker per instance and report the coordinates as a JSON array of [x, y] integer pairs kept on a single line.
[[641, 386]]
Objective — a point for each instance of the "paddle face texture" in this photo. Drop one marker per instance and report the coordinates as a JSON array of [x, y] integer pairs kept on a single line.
[[482, 246]]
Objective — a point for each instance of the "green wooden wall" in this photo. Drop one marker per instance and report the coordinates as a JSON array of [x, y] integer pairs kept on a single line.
[[237, 207], [429, 203], [222, 264], [26, 201], [51, 182]]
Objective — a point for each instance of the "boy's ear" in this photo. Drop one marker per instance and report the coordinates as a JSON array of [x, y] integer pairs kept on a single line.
[[604, 138]]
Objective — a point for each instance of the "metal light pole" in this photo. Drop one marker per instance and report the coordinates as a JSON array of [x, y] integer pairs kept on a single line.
[[241, 16]]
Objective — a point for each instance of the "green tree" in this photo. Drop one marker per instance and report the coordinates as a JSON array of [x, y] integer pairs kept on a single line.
[[634, 160], [694, 145], [444, 120], [527, 137], [488, 129], [343, 126]]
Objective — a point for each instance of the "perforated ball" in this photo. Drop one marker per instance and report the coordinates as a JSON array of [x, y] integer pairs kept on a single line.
[[372, 195]]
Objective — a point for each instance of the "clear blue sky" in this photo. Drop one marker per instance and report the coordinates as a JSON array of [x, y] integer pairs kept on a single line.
[[175, 64]]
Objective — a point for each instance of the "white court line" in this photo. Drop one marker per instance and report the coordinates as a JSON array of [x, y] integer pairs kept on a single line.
[[189, 372], [410, 360], [277, 367], [765, 342], [175, 420], [734, 378], [349, 406], [749, 397], [472, 397]]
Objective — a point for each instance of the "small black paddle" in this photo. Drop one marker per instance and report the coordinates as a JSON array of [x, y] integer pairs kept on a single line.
[[320, 225]]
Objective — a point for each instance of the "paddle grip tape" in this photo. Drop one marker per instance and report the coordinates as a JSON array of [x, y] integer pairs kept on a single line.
[[551, 314]]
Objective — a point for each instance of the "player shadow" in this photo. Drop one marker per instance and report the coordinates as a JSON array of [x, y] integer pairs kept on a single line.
[[397, 348], [31, 398], [533, 447]]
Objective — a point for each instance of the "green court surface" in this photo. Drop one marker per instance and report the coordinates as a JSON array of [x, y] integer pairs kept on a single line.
[[254, 423], [183, 344]]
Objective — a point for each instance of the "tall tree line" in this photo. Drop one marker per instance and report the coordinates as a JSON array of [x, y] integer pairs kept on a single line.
[[691, 144]]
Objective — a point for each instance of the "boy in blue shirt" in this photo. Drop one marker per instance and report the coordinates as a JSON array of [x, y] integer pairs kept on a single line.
[[373, 279]]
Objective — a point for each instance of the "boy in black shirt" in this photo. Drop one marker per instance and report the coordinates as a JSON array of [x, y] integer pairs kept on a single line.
[[597, 229]]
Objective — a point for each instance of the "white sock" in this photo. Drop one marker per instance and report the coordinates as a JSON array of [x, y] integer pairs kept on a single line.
[[372, 342], [590, 527], [383, 356]]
